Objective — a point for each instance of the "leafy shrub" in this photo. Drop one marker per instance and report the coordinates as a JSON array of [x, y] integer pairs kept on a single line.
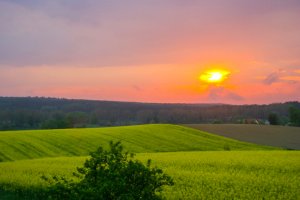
[[111, 174]]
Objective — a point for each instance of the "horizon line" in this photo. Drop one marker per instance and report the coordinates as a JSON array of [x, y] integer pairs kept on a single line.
[[141, 102]]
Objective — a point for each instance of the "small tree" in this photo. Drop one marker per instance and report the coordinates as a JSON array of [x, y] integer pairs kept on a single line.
[[112, 174], [294, 114], [273, 119]]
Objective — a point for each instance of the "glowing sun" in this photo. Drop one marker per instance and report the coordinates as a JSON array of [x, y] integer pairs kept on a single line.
[[214, 76]]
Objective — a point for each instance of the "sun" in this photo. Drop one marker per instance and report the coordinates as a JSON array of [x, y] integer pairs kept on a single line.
[[214, 76]]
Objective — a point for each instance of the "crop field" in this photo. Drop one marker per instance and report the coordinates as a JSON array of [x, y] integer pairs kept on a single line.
[[198, 175], [280, 136], [16, 145], [203, 165]]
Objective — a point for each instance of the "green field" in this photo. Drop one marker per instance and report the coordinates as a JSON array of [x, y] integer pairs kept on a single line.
[[198, 175], [16, 145], [200, 163]]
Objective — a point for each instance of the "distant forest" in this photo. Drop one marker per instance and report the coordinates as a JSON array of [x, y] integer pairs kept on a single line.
[[49, 113]]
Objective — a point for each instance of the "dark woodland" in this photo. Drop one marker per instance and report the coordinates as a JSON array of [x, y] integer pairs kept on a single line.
[[50, 113]]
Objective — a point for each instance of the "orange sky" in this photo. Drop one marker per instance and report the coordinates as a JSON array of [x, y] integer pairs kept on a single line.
[[151, 51], [157, 83]]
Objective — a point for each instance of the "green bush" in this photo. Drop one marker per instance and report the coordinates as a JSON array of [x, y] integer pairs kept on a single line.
[[111, 174]]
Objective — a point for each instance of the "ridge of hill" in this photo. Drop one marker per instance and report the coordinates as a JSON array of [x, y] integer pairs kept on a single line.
[[18, 145]]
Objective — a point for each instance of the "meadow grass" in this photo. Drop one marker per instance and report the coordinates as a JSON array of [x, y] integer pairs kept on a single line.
[[197, 175], [17, 145]]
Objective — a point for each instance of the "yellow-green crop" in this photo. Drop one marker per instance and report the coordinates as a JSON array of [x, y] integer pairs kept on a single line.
[[16, 145], [197, 175]]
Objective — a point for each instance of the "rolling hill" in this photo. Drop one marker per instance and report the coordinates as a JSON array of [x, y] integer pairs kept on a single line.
[[17, 145]]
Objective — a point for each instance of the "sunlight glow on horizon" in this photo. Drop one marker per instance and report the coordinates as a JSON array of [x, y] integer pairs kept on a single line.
[[246, 52]]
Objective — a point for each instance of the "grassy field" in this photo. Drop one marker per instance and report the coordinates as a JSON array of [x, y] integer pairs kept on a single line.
[[17, 145], [280, 136], [198, 175], [200, 163]]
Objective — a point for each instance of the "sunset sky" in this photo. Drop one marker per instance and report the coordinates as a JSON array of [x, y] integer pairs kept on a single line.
[[152, 50]]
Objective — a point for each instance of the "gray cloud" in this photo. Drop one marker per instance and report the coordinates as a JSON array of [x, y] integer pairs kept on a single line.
[[234, 96], [271, 78], [137, 88], [220, 94], [288, 74], [215, 94]]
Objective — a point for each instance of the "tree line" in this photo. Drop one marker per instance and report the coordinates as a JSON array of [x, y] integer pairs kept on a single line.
[[49, 113]]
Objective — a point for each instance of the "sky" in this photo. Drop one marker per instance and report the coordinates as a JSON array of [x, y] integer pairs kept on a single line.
[[151, 50]]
